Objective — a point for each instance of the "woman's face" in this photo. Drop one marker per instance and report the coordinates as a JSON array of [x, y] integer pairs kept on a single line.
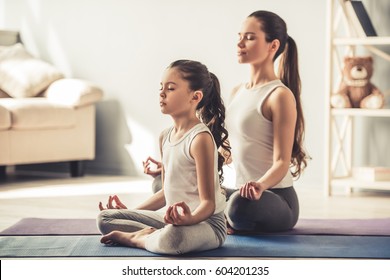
[[252, 47]]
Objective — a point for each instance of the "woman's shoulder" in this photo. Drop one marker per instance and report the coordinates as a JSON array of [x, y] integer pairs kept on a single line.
[[281, 97], [234, 91]]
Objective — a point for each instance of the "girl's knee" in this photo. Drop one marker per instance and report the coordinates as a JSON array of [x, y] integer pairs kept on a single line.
[[103, 221], [170, 241]]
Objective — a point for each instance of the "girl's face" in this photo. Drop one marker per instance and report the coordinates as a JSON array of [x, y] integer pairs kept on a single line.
[[252, 47], [175, 95]]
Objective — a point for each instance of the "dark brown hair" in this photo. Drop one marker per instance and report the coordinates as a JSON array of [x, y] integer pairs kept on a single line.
[[211, 110], [274, 27]]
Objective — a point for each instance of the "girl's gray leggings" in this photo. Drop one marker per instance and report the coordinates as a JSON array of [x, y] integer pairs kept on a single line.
[[167, 239]]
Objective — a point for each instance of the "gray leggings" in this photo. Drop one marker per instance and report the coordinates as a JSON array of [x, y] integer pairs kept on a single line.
[[167, 239], [277, 210]]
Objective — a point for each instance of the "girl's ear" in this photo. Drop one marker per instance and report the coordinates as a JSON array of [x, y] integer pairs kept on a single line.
[[197, 96]]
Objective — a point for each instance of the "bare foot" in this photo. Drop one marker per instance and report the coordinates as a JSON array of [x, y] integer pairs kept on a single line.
[[129, 239], [229, 229]]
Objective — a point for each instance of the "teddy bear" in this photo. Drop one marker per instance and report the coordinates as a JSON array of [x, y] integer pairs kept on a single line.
[[356, 90]]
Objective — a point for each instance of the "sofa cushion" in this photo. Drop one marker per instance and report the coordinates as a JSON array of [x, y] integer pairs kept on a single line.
[[5, 118], [38, 113], [22, 75], [73, 92]]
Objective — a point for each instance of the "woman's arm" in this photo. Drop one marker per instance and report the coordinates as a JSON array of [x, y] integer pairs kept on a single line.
[[283, 116], [202, 150], [280, 108], [224, 153]]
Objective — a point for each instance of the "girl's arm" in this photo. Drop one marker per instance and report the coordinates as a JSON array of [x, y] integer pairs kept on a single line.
[[202, 150], [280, 108], [157, 201]]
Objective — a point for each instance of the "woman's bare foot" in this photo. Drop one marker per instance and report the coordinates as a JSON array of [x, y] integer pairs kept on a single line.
[[129, 239]]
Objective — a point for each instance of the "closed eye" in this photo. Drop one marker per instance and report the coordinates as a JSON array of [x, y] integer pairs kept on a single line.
[[246, 36]]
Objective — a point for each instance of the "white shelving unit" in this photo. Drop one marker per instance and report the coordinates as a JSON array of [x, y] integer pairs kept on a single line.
[[339, 123]]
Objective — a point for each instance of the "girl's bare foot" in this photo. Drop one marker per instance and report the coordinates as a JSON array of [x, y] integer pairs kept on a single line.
[[229, 229], [129, 239]]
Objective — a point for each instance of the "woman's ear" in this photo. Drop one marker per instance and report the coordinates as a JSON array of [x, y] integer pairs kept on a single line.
[[275, 44]]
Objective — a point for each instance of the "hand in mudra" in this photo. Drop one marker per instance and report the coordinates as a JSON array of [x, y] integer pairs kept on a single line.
[[152, 172], [252, 190], [178, 214], [113, 203]]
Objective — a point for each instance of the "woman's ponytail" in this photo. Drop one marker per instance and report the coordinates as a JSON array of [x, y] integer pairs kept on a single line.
[[289, 75]]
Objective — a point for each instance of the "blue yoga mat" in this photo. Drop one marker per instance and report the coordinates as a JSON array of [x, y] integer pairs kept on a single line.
[[39, 226], [279, 246]]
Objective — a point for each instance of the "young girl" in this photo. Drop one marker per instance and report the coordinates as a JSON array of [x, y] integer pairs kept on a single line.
[[266, 127], [191, 172]]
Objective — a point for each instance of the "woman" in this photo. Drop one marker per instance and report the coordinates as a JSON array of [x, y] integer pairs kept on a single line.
[[266, 127]]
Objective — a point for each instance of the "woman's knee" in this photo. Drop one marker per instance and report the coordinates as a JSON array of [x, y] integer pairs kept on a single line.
[[236, 206]]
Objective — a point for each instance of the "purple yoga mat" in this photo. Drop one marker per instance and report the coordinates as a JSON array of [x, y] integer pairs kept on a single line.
[[37, 226]]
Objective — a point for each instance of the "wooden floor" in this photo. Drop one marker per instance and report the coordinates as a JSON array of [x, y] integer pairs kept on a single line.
[[58, 196]]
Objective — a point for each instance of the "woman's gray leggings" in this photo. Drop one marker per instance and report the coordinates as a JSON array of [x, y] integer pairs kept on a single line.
[[277, 210], [167, 239]]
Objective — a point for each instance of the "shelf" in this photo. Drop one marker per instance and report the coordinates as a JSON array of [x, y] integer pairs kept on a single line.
[[362, 41], [353, 183], [361, 112], [340, 124]]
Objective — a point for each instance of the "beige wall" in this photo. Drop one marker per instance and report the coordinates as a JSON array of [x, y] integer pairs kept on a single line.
[[124, 45]]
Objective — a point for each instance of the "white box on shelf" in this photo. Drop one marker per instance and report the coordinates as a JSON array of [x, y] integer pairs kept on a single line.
[[372, 174]]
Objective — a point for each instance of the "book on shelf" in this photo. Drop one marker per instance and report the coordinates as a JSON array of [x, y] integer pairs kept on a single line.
[[371, 174], [359, 19]]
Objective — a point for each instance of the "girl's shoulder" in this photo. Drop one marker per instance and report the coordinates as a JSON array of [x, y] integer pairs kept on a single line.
[[164, 134]]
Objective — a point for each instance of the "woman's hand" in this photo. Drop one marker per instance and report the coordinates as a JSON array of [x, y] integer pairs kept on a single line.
[[113, 203], [252, 190], [178, 214], [147, 170]]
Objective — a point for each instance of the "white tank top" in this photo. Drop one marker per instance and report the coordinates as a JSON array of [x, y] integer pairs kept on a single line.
[[251, 134], [180, 180]]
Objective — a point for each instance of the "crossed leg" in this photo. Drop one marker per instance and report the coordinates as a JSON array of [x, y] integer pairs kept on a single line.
[[129, 239]]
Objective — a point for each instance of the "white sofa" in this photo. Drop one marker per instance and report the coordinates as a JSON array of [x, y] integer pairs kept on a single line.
[[52, 122]]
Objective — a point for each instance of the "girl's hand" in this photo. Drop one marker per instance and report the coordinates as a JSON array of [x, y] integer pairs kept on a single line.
[[178, 214], [153, 173], [113, 203], [252, 190]]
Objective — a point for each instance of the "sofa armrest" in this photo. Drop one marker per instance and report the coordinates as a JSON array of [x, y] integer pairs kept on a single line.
[[73, 92]]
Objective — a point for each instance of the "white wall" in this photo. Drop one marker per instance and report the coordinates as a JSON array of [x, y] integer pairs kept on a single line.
[[124, 46]]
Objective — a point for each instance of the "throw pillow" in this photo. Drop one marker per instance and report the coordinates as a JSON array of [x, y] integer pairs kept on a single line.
[[22, 75], [3, 94]]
